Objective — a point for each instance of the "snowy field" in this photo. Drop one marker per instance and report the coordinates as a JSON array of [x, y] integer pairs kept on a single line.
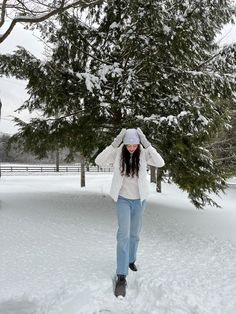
[[57, 250]]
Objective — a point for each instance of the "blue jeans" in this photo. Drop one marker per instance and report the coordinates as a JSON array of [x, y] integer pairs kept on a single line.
[[129, 215]]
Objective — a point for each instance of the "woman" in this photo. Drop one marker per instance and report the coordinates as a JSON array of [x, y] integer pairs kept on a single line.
[[129, 189]]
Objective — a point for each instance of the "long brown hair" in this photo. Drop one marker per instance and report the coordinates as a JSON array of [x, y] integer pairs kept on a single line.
[[129, 163]]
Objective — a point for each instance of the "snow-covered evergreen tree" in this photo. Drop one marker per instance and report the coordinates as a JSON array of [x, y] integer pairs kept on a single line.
[[170, 78]]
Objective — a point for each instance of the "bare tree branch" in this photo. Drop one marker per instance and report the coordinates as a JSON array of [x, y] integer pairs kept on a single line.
[[214, 56], [35, 14], [233, 157], [3, 12]]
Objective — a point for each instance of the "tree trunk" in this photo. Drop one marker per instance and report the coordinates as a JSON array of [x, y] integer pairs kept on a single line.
[[158, 180], [153, 174], [82, 178], [57, 160]]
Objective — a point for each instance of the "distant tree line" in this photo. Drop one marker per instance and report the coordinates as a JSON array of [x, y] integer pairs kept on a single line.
[[13, 153], [223, 145]]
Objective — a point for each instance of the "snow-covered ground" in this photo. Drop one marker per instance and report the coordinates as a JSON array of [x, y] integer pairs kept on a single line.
[[57, 250]]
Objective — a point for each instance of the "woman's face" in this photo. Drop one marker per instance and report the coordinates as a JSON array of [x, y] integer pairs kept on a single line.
[[132, 147]]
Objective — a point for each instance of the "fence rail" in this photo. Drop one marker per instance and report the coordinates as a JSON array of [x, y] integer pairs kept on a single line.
[[7, 169]]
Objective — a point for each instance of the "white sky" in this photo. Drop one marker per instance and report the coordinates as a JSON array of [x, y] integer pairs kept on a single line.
[[12, 91]]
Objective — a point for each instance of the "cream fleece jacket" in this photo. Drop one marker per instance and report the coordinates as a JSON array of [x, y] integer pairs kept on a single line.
[[110, 156]]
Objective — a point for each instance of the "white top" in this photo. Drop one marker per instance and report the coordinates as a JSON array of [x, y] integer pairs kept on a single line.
[[129, 188]]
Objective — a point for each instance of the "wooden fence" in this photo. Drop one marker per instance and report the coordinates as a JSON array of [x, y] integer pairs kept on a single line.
[[50, 169]]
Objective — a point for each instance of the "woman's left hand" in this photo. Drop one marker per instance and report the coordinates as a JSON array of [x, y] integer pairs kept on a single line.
[[143, 138]]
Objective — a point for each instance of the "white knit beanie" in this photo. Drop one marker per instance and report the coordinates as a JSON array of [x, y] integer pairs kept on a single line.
[[131, 137]]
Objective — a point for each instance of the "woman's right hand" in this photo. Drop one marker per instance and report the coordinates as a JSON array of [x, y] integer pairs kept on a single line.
[[119, 139]]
